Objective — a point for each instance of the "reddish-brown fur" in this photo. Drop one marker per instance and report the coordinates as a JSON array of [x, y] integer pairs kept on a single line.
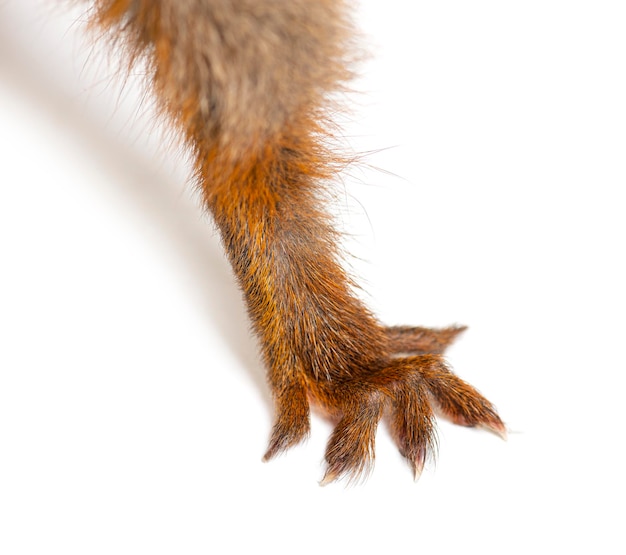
[[246, 83]]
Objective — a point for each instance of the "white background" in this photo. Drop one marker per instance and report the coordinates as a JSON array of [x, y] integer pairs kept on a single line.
[[133, 407]]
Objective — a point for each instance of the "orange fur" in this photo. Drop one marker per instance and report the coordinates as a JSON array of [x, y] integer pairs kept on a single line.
[[247, 82]]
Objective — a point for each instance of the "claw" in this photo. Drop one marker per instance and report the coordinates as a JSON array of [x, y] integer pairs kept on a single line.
[[417, 468], [498, 428], [328, 478], [285, 436]]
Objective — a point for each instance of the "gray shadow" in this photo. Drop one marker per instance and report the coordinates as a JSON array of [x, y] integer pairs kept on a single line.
[[150, 191]]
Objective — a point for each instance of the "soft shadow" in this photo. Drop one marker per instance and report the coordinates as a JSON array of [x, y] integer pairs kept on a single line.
[[151, 191]]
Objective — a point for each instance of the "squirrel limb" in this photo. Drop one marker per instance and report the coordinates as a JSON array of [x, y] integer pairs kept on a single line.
[[247, 85]]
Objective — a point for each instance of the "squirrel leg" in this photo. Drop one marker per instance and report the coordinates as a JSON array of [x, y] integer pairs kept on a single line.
[[248, 86], [315, 334]]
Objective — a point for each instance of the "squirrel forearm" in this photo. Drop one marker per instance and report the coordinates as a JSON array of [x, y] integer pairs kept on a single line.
[[282, 248], [245, 82]]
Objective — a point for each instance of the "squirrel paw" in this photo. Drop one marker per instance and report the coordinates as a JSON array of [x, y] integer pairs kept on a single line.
[[409, 385], [409, 390]]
